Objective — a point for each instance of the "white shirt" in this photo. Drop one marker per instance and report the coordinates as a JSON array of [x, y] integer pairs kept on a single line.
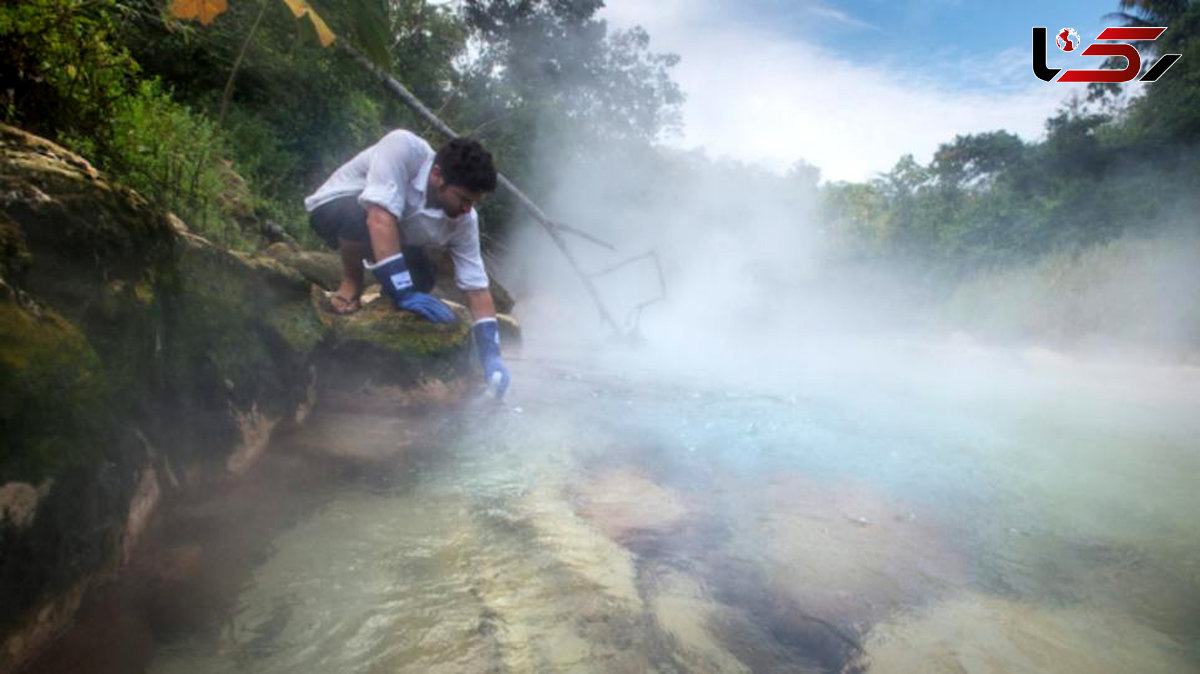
[[393, 175]]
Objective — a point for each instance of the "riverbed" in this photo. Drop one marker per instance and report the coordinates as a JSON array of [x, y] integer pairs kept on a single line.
[[970, 510]]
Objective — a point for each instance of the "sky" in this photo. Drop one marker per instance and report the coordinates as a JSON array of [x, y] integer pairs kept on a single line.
[[852, 85]]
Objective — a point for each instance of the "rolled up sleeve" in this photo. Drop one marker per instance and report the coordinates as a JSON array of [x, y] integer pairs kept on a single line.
[[387, 175], [469, 273]]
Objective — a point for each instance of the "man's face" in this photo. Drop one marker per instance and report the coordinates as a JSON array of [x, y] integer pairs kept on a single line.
[[454, 200]]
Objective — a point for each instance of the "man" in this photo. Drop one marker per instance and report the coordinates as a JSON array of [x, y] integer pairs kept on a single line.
[[391, 200]]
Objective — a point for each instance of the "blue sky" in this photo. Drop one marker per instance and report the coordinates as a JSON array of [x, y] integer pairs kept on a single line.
[[851, 85], [923, 33]]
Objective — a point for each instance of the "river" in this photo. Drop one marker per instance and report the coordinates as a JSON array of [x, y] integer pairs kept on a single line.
[[962, 509]]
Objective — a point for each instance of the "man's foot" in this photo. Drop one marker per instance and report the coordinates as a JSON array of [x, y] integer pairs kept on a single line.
[[343, 306]]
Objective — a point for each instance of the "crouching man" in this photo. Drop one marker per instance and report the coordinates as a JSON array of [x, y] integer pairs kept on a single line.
[[384, 206]]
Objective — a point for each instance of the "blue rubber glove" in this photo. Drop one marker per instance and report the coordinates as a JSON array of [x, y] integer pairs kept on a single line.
[[397, 284], [487, 341]]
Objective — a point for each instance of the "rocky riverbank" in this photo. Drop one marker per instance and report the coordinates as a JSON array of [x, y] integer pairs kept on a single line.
[[141, 364]]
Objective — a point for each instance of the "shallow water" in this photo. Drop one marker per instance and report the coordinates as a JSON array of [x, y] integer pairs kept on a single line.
[[1048, 521]]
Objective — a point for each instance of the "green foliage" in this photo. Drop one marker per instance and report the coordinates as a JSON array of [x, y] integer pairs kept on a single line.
[[989, 201], [1168, 116], [429, 39], [556, 63], [175, 157], [68, 77], [550, 79], [1135, 290], [297, 110], [538, 72], [60, 72]]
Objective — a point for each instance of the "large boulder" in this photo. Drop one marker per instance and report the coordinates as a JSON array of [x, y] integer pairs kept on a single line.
[[138, 360], [380, 346], [319, 267]]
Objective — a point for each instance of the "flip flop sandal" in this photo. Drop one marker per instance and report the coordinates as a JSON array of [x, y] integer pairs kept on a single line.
[[342, 306]]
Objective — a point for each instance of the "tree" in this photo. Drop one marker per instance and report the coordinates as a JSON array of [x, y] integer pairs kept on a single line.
[[60, 74], [1168, 116], [551, 64], [974, 161]]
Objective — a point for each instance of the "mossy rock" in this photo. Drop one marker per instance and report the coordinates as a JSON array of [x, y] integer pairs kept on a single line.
[[52, 391], [385, 345], [239, 334], [321, 268], [80, 229], [126, 341], [14, 254]]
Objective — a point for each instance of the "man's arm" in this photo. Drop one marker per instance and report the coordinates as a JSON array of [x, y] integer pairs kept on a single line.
[[487, 339], [480, 303], [384, 230], [392, 272]]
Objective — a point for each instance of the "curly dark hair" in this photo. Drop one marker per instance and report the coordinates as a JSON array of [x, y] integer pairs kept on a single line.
[[465, 163]]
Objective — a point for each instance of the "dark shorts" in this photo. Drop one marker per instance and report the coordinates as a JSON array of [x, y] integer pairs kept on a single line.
[[342, 218], [345, 218]]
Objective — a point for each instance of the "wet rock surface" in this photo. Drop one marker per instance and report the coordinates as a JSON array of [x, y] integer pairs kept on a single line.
[[139, 363], [991, 635], [623, 502]]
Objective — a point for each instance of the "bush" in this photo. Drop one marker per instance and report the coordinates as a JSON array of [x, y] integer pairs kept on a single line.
[[62, 76], [59, 73], [1131, 291], [174, 157]]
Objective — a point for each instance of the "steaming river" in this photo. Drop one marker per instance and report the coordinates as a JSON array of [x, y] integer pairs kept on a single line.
[[962, 511]]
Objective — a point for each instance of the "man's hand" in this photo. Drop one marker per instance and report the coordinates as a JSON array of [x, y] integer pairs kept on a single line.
[[396, 282], [487, 341]]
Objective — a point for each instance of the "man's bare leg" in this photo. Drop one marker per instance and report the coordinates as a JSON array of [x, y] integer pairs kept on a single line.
[[352, 253]]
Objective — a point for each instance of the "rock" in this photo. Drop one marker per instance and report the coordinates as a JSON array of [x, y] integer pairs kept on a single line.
[[1154, 588], [256, 433], [623, 501], [121, 331], [821, 557], [683, 610], [579, 547], [18, 503], [379, 345], [510, 331], [321, 268], [52, 397], [559, 596], [989, 635], [141, 507], [366, 440]]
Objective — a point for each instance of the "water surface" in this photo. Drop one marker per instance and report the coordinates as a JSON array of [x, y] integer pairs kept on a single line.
[[966, 511]]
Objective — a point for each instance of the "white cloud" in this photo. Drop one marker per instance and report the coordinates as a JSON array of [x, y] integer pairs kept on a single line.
[[826, 12], [756, 96]]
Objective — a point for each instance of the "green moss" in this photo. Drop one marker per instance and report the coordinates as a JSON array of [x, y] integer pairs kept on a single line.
[[401, 332], [239, 328], [62, 203], [298, 325], [52, 392], [14, 254]]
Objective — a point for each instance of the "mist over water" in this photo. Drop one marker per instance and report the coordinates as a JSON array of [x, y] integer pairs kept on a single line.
[[796, 466], [779, 474], [612, 519], [1063, 467]]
